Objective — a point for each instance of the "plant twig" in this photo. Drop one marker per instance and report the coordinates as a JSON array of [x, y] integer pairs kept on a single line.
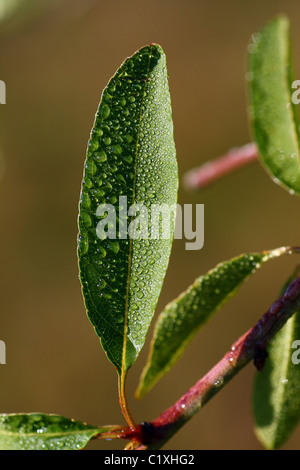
[[251, 346], [123, 401], [213, 170]]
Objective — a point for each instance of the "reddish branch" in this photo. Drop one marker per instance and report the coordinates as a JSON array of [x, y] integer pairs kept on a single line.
[[215, 169], [251, 346]]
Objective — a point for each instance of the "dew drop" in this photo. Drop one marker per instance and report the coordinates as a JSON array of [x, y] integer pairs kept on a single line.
[[113, 199], [101, 252], [93, 144], [98, 193], [121, 179], [219, 382], [85, 200], [86, 219], [117, 149], [101, 284], [115, 247], [129, 138], [100, 156], [90, 167], [105, 111], [87, 182]]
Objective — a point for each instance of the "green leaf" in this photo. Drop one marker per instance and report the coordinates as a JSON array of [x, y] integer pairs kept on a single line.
[[272, 111], [276, 397], [8, 7], [131, 161], [179, 322], [18, 9], [36, 431]]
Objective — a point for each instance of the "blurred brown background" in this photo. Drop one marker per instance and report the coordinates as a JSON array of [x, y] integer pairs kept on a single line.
[[55, 65]]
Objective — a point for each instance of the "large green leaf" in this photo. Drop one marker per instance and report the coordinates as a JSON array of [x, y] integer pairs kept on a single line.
[[131, 159], [177, 325], [272, 110], [276, 397], [37, 431]]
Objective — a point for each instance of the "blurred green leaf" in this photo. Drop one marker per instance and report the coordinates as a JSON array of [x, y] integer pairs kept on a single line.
[[131, 154], [272, 111], [37, 431], [16, 13], [179, 322], [276, 397], [8, 8], [21, 9]]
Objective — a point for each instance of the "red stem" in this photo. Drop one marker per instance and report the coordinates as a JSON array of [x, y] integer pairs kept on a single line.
[[213, 170], [251, 346]]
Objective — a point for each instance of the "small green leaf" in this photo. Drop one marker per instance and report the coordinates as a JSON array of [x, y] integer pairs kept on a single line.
[[8, 7], [131, 165], [19, 10], [36, 431], [272, 110], [181, 319], [276, 397]]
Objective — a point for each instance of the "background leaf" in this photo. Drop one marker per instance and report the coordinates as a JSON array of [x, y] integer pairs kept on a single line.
[[276, 398], [8, 7], [131, 153], [272, 112], [14, 13], [37, 431], [177, 325]]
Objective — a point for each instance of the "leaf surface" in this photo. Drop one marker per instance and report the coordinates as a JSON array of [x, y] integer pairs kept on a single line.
[[179, 322], [272, 111], [131, 165], [276, 397], [36, 431]]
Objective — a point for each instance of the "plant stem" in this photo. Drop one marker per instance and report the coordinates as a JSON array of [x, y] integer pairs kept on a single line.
[[213, 170], [251, 346], [123, 401]]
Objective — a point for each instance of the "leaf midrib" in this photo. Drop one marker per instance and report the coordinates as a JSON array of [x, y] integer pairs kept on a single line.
[[287, 60], [123, 370], [285, 365]]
